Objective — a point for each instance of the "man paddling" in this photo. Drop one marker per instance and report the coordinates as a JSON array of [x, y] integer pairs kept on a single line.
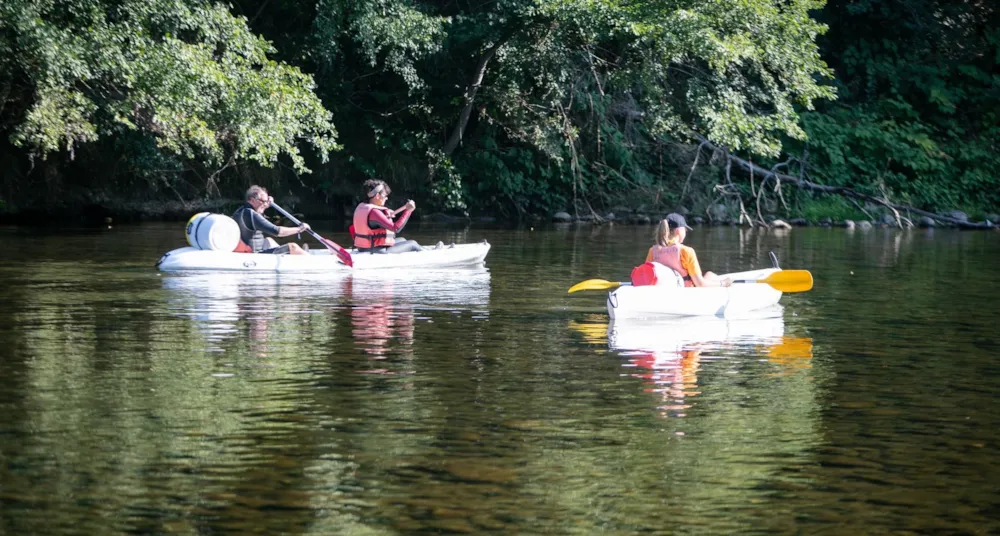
[[253, 227]]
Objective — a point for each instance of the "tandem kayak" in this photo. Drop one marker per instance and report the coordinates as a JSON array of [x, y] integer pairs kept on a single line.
[[656, 301], [184, 259]]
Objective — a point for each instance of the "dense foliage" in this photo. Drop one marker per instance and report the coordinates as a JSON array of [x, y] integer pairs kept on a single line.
[[919, 92], [507, 107]]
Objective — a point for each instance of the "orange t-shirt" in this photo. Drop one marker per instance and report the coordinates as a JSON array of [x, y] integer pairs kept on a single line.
[[689, 260]]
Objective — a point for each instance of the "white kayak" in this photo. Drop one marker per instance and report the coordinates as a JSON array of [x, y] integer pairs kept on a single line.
[[657, 301], [184, 259]]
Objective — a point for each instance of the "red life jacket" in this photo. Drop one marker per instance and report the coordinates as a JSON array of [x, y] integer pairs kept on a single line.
[[670, 256], [364, 236]]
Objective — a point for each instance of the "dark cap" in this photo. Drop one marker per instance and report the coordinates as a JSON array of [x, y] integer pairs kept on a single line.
[[675, 220]]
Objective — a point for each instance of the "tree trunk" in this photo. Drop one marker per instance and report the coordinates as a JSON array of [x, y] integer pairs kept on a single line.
[[470, 97]]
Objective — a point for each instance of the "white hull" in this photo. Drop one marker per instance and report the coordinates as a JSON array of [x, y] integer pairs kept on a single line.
[[675, 334], [185, 259], [658, 301]]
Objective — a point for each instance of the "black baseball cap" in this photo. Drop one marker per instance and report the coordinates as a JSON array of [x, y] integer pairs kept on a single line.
[[675, 220]]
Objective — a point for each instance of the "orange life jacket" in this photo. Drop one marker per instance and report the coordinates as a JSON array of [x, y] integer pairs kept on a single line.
[[364, 236], [670, 256]]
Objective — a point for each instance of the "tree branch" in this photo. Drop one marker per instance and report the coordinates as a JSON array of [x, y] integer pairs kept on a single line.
[[802, 182]]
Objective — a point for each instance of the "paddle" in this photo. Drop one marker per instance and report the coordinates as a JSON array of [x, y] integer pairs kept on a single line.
[[342, 253], [784, 280]]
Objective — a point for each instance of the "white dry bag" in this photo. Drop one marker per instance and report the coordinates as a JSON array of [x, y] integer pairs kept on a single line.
[[216, 232]]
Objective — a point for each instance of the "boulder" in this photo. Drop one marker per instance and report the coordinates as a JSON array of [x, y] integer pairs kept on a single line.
[[562, 216], [887, 219], [826, 222], [956, 214], [799, 222], [994, 218], [865, 225], [719, 213], [926, 221], [849, 224], [780, 224]]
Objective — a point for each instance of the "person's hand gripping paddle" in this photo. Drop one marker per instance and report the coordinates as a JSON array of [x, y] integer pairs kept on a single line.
[[341, 253]]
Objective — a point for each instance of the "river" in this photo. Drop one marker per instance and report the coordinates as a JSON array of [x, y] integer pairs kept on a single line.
[[490, 401]]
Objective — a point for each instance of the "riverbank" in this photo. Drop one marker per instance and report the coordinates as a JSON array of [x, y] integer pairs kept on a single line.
[[104, 209]]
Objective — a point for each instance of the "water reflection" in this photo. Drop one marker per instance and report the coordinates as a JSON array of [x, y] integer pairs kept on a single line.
[[667, 354], [135, 402], [383, 306]]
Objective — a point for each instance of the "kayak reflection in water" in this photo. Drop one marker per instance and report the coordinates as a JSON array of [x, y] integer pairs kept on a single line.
[[375, 226], [670, 252], [667, 355]]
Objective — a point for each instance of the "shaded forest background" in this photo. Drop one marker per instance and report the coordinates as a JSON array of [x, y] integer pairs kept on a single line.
[[510, 109]]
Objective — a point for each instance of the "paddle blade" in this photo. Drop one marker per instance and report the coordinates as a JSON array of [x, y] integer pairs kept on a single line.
[[341, 253], [790, 280], [594, 284]]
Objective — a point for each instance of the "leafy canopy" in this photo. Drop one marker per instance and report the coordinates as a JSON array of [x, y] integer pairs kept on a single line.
[[186, 72]]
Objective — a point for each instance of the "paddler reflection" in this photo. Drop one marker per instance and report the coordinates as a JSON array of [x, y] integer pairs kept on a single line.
[[384, 305], [380, 325], [669, 354]]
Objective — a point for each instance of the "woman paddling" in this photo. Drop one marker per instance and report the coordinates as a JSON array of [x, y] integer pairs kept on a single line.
[[669, 251], [375, 226]]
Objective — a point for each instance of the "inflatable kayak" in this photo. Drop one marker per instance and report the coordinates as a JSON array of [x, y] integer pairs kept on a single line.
[[190, 258], [655, 301]]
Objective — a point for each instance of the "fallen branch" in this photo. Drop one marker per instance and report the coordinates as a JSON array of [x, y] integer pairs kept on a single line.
[[802, 182]]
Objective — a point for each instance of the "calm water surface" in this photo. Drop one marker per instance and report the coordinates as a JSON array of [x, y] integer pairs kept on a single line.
[[490, 401]]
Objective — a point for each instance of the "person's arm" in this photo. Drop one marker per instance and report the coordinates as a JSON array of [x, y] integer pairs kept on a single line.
[[689, 260], [289, 231], [260, 223], [379, 219], [649, 255]]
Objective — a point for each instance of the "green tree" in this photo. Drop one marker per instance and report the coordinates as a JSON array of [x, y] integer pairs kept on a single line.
[[187, 74], [530, 100], [919, 86]]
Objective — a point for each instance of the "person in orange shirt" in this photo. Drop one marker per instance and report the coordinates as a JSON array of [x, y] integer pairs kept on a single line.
[[671, 252]]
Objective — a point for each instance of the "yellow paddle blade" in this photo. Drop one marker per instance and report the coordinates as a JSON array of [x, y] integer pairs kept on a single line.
[[788, 280], [594, 284]]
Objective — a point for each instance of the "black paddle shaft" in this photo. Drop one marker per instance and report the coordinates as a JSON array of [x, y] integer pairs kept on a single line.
[[291, 218], [345, 257]]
